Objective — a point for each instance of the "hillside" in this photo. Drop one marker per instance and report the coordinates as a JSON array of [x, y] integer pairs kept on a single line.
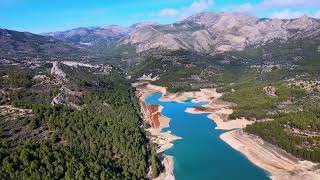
[[69, 120], [93, 36], [24, 45]]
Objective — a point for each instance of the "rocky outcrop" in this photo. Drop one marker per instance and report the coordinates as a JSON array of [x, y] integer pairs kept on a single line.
[[68, 97], [148, 77], [311, 85], [57, 71], [270, 90]]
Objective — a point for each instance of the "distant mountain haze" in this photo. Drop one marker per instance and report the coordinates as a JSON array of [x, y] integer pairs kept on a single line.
[[92, 36], [14, 44]]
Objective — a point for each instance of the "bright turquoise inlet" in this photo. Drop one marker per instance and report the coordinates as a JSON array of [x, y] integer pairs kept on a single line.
[[201, 154]]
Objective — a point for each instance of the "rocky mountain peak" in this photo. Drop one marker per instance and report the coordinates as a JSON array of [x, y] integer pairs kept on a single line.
[[116, 28], [305, 17], [208, 32], [304, 23], [205, 18], [209, 19], [219, 32], [143, 24]]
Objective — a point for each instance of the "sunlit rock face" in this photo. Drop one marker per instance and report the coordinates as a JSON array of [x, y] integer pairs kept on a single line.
[[206, 32], [219, 32], [92, 36]]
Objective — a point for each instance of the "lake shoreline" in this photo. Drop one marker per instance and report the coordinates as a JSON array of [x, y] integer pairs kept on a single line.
[[276, 162], [279, 164], [163, 140]]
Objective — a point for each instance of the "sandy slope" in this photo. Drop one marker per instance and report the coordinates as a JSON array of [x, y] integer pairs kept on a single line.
[[217, 114], [204, 95], [168, 172], [277, 162]]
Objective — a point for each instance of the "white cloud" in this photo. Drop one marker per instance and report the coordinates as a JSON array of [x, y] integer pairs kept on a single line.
[[168, 12], [269, 4], [286, 14], [184, 12], [245, 7], [287, 3], [317, 14], [195, 7], [202, 5]]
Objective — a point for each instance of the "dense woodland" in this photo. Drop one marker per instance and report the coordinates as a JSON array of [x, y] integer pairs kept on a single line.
[[304, 142], [102, 140], [250, 99]]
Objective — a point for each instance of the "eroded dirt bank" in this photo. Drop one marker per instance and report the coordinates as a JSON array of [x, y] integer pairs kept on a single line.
[[152, 115]]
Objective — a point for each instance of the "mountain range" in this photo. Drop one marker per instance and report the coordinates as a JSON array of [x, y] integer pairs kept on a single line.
[[206, 32], [92, 36]]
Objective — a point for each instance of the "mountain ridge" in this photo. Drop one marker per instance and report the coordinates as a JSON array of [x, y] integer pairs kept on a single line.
[[221, 32], [14, 44], [210, 32]]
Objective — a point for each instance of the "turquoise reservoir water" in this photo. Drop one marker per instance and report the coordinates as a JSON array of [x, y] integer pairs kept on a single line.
[[201, 154]]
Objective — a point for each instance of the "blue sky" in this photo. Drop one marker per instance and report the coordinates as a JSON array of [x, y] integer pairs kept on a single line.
[[56, 15]]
